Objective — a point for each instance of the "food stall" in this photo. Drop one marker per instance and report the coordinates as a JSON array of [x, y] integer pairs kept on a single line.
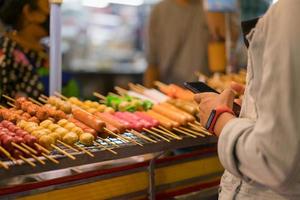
[[58, 147]]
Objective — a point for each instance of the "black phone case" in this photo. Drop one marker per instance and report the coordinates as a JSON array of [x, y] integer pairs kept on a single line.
[[200, 87]]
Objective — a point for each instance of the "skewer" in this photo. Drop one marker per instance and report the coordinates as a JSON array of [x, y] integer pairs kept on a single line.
[[133, 141], [198, 123], [28, 153], [155, 134], [114, 94], [121, 91], [63, 152], [116, 135], [44, 96], [10, 104], [159, 84], [43, 154], [197, 126], [200, 129], [35, 101], [141, 86], [191, 131], [42, 148], [109, 142], [104, 147], [85, 151], [166, 130], [167, 134], [4, 165], [42, 100], [61, 96], [66, 145], [141, 136], [100, 96], [183, 132], [8, 98], [29, 148], [27, 161], [7, 154], [50, 158]]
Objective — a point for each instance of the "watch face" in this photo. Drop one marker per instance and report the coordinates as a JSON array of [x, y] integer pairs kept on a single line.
[[210, 119]]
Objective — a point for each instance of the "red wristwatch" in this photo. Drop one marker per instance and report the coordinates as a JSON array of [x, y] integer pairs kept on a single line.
[[214, 115]]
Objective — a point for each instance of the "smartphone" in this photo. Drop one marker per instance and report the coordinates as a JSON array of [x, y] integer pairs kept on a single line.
[[200, 87]]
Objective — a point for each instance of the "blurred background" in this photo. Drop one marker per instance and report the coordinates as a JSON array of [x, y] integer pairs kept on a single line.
[[104, 41]]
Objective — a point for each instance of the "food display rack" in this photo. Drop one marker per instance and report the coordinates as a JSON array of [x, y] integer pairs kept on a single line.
[[122, 150]]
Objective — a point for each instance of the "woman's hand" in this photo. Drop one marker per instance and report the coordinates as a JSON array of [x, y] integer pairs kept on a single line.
[[239, 89], [209, 101]]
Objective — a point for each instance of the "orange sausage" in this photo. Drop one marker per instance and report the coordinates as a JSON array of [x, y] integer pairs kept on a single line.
[[88, 119], [189, 117], [165, 122], [111, 120], [171, 114], [84, 127]]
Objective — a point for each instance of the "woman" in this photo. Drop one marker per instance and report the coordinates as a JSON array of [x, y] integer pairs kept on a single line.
[[21, 53], [260, 150]]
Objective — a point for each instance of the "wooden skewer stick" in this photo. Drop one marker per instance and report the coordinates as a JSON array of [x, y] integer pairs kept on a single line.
[[141, 136], [7, 154], [8, 98], [191, 131], [66, 145], [116, 135], [133, 141], [121, 91], [63, 152], [200, 129], [184, 132], [105, 148], [111, 143], [29, 148], [42, 100], [27, 161], [50, 158], [197, 126], [42, 148], [114, 94], [35, 101], [157, 135], [141, 86], [44, 96], [28, 153], [4, 165], [84, 150], [167, 134], [35, 152], [10, 104], [166, 130], [159, 84], [100, 96], [61, 96], [198, 123]]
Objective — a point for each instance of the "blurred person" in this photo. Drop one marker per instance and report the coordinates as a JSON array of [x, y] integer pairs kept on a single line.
[[260, 149], [21, 53], [177, 43]]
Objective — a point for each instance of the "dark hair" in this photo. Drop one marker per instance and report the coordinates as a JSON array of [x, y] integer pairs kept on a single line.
[[11, 11]]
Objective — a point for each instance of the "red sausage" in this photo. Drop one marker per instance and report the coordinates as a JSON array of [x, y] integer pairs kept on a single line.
[[134, 124], [153, 121], [145, 123]]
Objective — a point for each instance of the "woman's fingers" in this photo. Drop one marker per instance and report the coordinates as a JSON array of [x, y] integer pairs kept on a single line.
[[237, 87]]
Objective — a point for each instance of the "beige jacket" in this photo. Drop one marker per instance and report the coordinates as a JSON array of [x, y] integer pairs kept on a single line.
[[261, 150]]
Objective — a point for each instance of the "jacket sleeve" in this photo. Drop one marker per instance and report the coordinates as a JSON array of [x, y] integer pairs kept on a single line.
[[267, 150]]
